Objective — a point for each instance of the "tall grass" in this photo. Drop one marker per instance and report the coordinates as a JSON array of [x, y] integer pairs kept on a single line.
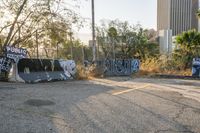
[[163, 65], [90, 72]]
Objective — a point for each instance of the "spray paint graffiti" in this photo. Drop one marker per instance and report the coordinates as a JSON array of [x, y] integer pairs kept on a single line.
[[119, 67], [135, 65], [15, 53], [11, 55], [69, 67], [5, 64], [196, 67]]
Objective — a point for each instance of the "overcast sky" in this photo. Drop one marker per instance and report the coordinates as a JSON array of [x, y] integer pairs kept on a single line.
[[133, 11]]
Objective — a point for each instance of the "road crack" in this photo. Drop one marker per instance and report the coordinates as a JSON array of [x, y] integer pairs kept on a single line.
[[179, 114]]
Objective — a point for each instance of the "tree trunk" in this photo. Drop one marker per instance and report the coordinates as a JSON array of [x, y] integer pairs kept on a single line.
[[15, 21], [46, 52]]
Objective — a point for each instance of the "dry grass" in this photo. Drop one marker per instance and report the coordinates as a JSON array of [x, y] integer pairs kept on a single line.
[[88, 73], [164, 66], [81, 73], [148, 68]]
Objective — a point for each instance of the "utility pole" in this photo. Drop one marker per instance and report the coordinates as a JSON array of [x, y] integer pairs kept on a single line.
[[71, 42], [83, 53], [93, 32], [57, 49], [37, 44], [98, 54]]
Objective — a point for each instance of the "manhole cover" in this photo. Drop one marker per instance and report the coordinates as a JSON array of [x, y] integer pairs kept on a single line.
[[37, 102], [7, 88]]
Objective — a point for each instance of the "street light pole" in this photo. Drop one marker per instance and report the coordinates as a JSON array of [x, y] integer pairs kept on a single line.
[[93, 32]]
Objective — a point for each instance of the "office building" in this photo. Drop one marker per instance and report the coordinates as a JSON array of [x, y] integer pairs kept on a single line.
[[177, 15]]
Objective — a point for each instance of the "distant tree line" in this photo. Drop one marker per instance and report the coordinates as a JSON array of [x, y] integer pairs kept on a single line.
[[117, 39]]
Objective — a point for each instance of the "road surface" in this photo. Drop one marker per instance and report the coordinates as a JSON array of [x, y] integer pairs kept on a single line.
[[111, 105]]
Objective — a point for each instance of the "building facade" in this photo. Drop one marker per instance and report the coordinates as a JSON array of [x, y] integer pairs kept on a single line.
[[177, 15], [165, 41]]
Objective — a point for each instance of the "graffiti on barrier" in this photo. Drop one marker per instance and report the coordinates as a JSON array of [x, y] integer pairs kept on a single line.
[[15, 53], [196, 67], [135, 65], [120, 67], [69, 67], [39, 70], [5, 64], [21, 69]]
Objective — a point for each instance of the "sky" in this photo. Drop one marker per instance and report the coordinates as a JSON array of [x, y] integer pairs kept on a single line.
[[133, 11]]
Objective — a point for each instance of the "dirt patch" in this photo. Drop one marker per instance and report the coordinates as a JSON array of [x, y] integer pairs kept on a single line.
[[38, 102]]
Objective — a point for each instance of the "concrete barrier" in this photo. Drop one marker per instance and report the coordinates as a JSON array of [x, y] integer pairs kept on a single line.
[[5, 66], [40, 70], [196, 67]]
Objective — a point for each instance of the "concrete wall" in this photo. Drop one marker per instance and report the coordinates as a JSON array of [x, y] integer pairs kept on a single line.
[[165, 41]]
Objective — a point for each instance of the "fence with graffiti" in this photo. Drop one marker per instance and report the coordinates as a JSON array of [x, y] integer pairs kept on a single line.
[[119, 67]]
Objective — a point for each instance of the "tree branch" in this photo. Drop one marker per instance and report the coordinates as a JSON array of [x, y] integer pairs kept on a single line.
[[25, 37], [4, 27], [15, 21], [19, 27]]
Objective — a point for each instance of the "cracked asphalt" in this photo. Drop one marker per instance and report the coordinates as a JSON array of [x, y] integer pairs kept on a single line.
[[111, 105]]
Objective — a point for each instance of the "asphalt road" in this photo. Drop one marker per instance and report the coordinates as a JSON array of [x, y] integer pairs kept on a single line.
[[112, 105]]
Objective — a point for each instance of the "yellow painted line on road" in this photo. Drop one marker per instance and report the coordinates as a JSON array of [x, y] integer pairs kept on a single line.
[[129, 90]]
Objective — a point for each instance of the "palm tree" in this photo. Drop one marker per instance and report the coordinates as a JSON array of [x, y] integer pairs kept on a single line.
[[189, 46], [198, 14]]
